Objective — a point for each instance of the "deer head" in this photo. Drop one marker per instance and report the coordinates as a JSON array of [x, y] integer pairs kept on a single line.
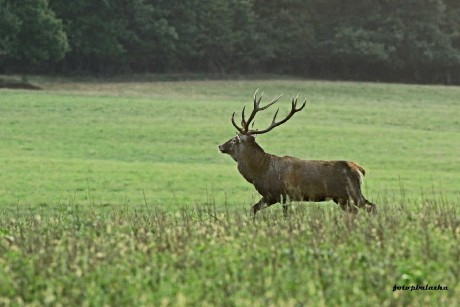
[[245, 139]]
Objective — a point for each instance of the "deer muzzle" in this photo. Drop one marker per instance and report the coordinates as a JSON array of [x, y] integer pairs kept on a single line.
[[222, 148]]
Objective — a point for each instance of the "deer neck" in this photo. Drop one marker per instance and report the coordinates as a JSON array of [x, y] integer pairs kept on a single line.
[[253, 163]]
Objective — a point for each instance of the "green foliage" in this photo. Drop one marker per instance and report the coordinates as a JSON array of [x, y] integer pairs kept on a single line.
[[214, 36], [286, 35], [416, 41], [72, 255], [31, 33], [422, 39], [399, 39], [9, 28], [109, 35]]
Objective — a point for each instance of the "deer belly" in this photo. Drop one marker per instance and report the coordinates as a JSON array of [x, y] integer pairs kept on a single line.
[[302, 186]]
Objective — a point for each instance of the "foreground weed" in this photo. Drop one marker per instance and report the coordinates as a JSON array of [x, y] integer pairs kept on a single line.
[[206, 255]]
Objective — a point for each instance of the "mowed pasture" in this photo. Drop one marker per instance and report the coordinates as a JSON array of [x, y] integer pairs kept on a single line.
[[114, 192]]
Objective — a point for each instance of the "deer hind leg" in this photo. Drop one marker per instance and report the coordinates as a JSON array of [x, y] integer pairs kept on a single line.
[[370, 207], [261, 204], [355, 196], [363, 203], [285, 202], [346, 204]]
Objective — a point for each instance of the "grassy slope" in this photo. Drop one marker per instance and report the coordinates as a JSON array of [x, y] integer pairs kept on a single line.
[[67, 151], [119, 140]]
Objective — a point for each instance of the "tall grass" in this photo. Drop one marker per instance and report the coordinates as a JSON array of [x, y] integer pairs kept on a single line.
[[205, 255]]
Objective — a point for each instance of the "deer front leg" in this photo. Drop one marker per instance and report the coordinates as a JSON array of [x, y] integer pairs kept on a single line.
[[258, 206], [284, 202], [261, 204]]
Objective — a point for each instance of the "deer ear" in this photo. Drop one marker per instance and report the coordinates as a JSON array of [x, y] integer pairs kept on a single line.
[[238, 138]]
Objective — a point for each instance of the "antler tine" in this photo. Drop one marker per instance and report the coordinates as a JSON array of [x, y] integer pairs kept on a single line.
[[245, 123], [294, 103], [244, 129], [243, 120], [257, 108], [254, 110], [274, 116], [235, 125], [257, 100], [274, 124], [274, 100], [295, 98]]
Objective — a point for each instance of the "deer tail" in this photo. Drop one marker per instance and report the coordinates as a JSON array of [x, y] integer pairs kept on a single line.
[[359, 169]]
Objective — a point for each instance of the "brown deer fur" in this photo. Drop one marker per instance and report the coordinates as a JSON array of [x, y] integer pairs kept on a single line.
[[280, 179]]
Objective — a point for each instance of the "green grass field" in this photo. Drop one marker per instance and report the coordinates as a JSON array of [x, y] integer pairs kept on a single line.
[[114, 192]]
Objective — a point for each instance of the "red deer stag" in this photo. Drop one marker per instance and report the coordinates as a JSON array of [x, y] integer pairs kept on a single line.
[[279, 179]]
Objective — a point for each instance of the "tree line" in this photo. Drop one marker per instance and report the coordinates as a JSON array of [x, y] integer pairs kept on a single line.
[[386, 40]]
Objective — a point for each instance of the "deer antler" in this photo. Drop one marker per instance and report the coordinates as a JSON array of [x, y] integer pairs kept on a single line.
[[245, 123], [274, 124]]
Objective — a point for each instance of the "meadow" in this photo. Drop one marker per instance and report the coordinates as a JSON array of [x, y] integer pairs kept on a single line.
[[113, 192]]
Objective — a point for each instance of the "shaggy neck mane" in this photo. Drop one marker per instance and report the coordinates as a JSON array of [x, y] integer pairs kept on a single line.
[[253, 162]]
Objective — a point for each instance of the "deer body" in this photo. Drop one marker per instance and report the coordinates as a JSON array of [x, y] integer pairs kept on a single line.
[[279, 179]]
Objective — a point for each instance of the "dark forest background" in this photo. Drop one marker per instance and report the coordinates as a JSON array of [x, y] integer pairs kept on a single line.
[[384, 40]]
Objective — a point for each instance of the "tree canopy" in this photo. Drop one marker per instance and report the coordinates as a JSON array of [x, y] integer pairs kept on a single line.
[[387, 40]]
